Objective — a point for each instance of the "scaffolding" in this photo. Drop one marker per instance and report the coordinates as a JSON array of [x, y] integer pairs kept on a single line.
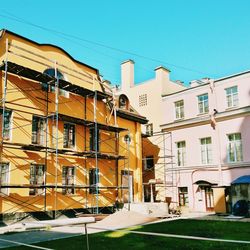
[[54, 82], [159, 177]]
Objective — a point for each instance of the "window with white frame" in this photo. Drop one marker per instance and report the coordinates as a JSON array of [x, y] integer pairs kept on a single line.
[[181, 153], [206, 150], [38, 130], [179, 109], [234, 148], [36, 178], [4, 178], [149, 129], [69, 135], [68, 178], [203, 104], [7, 126], [232, 97]]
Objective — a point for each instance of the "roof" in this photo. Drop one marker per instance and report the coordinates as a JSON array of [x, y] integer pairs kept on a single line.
[[132, 116], [245, 179], [3, 31]]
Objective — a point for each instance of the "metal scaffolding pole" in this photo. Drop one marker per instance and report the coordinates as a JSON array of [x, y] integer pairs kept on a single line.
[[96, 154], [4, 89], [56, 160], [164, 164], [128, 140], [46, 150], [4, 99], [85, 149]]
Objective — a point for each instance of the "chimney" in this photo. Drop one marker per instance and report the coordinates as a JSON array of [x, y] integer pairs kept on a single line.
[[127, 74], [162, 76]]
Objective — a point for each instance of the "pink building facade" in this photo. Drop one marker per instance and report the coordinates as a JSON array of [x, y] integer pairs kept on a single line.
[[210, 126]]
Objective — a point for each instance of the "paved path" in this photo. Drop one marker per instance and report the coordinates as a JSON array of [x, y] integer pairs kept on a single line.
[[32, 237]]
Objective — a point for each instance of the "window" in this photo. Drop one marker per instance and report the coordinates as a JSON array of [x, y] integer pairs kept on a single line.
[[203, 103], [4, 177], [143, 100], [232, 97], [123, 102], [38, 130], [69, 135], [45, 86], [149, 129], [234, 148], [149, 162], [68, 178], [179, 109], [183, 196], [181, 153], [93, 180], [93, 139], [7, 124], [36, 178], [206, 150]]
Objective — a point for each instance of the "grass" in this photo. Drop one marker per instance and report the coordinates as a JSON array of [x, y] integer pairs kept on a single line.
[[125, 241]]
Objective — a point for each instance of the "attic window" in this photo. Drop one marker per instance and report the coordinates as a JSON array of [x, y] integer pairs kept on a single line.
[[123, 102], [45, 86]]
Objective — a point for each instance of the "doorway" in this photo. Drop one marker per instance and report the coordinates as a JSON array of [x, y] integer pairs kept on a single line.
[[209, 199], [127, 181]]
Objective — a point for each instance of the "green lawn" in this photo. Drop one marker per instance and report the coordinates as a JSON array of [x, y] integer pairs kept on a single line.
[[125, 241]]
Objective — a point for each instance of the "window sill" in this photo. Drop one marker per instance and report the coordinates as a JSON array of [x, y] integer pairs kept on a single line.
[[70, 148], [203, 114], [235, 162], [179, 119], [232, 108], [7, 139], [207, 164]]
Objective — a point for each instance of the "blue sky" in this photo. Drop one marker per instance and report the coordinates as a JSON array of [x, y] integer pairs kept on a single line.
[[194, 38]]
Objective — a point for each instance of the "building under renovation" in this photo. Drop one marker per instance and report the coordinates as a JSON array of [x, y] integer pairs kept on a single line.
[[65, 143]]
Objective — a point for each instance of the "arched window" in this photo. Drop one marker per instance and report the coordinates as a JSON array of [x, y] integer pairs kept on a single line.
[[123, 102], [51, 72]]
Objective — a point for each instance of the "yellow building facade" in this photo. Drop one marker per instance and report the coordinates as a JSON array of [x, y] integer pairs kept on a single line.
[[65, 144]]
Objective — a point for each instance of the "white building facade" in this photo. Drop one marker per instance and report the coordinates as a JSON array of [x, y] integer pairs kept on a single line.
[[210, 127]]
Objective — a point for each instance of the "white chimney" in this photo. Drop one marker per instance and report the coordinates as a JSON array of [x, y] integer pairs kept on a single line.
[[162, 76], [127, 74]]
